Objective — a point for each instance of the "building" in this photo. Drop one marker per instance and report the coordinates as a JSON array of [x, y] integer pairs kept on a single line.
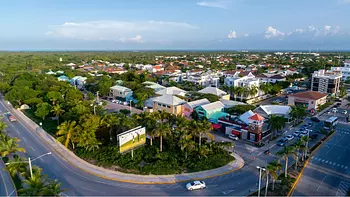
[[171, 91], [168, 103], [203, 79], [120, 93], [270, 78], [63, 78], [78, 81], [155, 86], [215, 91], [326, 81], [310, 99], [248, 81], [345, 71], [210, 111], [255, 128], [188, 108], [279, 110]]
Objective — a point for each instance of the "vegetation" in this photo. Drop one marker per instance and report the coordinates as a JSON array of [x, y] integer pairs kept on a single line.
[[240, 109], [36, 185], [276, 123]]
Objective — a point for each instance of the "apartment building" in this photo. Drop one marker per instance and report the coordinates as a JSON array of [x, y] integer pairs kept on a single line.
[[246, 82], [345, 71], [326, 81]]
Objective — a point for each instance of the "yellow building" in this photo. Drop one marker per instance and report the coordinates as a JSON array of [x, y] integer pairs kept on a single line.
[[168, 103]]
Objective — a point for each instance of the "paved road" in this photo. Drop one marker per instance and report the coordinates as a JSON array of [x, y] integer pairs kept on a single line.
[[7, 188], [328, 172]]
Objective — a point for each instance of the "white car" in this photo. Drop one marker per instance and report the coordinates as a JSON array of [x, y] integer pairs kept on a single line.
[[303, 133], [195, 185], [345, 112], [334, 110], [114, 101], [234, 137], [289, 137], [296, 133]]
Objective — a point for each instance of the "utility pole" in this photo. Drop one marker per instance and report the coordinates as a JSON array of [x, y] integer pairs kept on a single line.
[[30, 167], [260, 169]]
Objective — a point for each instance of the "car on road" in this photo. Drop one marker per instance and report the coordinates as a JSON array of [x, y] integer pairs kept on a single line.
[[282, 142], [233, 137], [315, 119], [12, 118], [289, 137], [337, 104], [195, 185], [334, 110], [345, 112], [296, 133]]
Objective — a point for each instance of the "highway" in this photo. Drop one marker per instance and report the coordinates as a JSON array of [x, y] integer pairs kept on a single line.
[[77, 182]]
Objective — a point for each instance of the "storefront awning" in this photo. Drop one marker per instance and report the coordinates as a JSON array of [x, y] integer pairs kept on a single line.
[[216, 126], [234, 132]]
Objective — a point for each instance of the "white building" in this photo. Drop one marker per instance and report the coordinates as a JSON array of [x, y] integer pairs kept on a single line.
[[248, 81], [345, 71], [326, 81], [205, 80], [78, 81]]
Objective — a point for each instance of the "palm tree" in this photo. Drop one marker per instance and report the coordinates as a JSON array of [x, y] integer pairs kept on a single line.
[[53, 188], [240, 91], [17, 165], [3, 126], [110, 121], [34, 185], [58, 111], [152, 133], [253, 91], [234, 91], [203, 128], [9, 146], [276, 123], [274, 168], [203, 150], [304, 140], [285, 153], [66, 132], [186, 143], [162, 130], [297, 147]]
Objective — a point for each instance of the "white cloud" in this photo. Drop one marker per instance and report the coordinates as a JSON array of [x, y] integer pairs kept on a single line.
[[312, 28], [223, 4], [137, 39], [272, 32], [246, 35], [232, 34], [289, 33], [118, 30], [299, 31]]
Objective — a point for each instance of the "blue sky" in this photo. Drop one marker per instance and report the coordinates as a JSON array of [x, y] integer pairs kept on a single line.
[[175, 24]]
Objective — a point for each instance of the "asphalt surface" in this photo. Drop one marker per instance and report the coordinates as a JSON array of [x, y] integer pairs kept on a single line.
[[328, 172]]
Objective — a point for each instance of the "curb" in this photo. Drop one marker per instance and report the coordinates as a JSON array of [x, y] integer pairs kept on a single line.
[[306, 162], [115, 179]]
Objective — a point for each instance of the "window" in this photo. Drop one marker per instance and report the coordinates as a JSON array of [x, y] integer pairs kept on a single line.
[[168, 106], [164, 105], [159, 104], [312, 102]]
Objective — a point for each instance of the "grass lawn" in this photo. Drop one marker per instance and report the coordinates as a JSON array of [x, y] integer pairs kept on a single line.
[[49, 125]]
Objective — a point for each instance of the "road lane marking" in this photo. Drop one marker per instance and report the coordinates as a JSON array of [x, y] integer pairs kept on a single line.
[[24, 140], [32, 148], [321, 182]]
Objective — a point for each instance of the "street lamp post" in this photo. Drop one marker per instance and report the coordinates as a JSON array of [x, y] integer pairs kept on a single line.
[[307, 143], [260, 169], [30, 162], [41, 124]]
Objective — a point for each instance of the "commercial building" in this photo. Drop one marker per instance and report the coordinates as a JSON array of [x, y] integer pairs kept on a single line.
[[310, 99], [211, 111], [188, 108], [326, 81]]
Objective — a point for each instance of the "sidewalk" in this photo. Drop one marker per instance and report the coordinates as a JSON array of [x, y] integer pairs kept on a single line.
[[74, 160]]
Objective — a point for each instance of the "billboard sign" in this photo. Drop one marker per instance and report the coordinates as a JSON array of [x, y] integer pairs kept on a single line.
[[131, 139]]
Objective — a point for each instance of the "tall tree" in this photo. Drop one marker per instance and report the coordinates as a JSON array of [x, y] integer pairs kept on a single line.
[[58, 111], [285, 153], [162, 131], [9, 146], [3, 126], [42, 110], [276, 123], [274, 168], [17, 166], [53, 188], [111, 121], [297, 147], [66, 133]]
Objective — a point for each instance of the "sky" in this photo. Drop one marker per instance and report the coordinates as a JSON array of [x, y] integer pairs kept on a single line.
[[175, 25]]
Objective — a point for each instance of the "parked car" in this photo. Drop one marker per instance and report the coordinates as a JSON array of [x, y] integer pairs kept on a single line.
[[282, 142], [337, 104], [310, 124], [195, 185], [289, 137], [303, 133], [296, 133], [334, 110], [234, 137], [345, 112], [315, 119]]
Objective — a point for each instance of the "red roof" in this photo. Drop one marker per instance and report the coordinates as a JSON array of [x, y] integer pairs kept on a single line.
[[256, 117], [309, 95]]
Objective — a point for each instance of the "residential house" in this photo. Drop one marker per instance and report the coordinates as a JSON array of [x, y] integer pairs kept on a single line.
[[120, 93], [155, 86], [211, 111], [168, 103], [215, 91], [62, 78], [78, 81], [203, 79], [345, 70], [189, 107], [172, 91], [270, 78], [246, 82]]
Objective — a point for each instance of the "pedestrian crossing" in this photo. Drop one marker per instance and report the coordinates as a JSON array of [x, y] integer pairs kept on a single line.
[[330, 163], [343, 188]]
